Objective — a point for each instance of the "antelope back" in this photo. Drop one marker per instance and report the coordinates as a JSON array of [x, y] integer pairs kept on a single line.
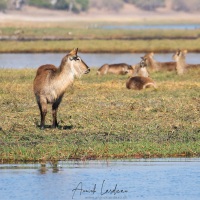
[[103, 69], [121, 68], [139, 83]]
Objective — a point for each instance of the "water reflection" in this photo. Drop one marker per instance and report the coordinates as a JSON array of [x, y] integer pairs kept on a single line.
[[53, 166], [43, 169], [150, 179]]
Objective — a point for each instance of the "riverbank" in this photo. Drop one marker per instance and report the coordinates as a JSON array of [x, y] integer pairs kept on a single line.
[[90, 38], [40, 30], [100, 46], [99, 119]]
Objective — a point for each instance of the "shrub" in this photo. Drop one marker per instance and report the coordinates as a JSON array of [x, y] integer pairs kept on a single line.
[[62, 5], [3, 5], [40, 3], [147, 5], [84, 4], [185, 5], [110, 5]]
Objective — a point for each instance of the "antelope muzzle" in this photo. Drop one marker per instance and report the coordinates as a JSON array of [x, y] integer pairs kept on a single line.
[[87, 71]]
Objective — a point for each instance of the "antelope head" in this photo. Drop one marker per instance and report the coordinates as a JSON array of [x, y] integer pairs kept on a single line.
[[77, 65], [143, 62], [179, 55]]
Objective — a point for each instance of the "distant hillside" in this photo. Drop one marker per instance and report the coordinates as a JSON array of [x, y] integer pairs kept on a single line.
[[78, 6]]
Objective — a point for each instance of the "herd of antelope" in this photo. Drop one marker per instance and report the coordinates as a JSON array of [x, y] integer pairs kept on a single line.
[[51, 82], [139, 74]]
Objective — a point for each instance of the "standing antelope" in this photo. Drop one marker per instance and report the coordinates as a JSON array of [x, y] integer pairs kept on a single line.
[[181, 65], [159, 66], [120, 69], [179, 57], [140, 79], [51, 83]]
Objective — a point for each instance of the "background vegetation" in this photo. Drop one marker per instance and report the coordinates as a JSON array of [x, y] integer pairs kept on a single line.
[[147, 5], [83, 5]]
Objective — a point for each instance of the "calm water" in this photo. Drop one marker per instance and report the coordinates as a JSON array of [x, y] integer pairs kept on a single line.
[[29, 60], [155, 26], [159, 179]]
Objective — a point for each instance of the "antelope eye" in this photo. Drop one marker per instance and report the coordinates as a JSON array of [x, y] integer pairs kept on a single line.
[[74, 58]]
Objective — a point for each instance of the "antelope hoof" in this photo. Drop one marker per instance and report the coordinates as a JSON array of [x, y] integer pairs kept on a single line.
[[54, 126]]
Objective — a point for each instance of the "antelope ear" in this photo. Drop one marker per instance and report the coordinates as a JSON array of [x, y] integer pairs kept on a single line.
[[178, 52], [74, 52]]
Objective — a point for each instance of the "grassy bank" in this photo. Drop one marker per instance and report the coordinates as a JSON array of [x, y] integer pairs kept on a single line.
[[99, 118], [100, 46], [94, 31], [89, 37]]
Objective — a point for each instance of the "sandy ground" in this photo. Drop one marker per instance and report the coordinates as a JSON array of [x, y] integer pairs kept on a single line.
[[129, 13]]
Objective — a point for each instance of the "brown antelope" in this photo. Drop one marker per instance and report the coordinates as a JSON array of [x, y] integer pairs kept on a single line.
[[140, 79], [140, 69], [140, 82], [181, 65], [51, 83], [179, 57], [119, 69], [159, 66]]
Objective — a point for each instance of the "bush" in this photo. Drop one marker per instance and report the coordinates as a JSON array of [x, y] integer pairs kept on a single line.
[[62, 5], [84, 4], [3, 5], [185, 5], [74, 6], [40, 3], [108, 4], [147, 5]]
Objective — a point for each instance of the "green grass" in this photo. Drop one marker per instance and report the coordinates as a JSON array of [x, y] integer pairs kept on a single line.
[[61, 37], [89, 32], [115, 46], [99, 118]]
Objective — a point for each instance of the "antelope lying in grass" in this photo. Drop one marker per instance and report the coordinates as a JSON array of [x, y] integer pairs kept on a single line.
[[181, 65], [119, 69], [140, 79], [51, 83], [159, 66]]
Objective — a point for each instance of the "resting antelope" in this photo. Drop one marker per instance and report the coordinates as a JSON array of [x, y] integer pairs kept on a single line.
[[140, 79], [51, 83], [181, 65], [119, 69], [140, 69], [159, 66]]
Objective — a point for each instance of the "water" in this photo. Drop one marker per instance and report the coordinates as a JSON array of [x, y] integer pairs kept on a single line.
[[153, 179], [30, 60], [151, 26]]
